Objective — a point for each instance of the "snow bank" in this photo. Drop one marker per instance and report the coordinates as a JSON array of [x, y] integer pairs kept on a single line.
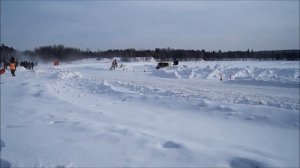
[[286, 75]]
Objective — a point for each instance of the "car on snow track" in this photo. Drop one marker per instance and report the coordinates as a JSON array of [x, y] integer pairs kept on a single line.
[[162, 65]]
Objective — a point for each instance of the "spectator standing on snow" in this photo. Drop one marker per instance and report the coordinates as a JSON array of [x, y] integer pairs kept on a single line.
[[12, 66], [29, 65], [175, 62], [114, 64], [32, 65], [17, 63]]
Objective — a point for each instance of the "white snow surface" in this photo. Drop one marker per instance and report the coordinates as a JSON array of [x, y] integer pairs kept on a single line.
[[80, 114]]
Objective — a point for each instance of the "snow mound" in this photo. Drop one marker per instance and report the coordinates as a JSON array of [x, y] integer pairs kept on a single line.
[[186, 72], [164, 73], [286, 75], [68, 75]]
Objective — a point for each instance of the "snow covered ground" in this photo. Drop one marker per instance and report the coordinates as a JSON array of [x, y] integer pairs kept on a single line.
[[80, 114]]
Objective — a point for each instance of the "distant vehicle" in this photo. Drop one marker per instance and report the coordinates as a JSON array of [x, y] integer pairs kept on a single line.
[[175, 62], [162, 65]]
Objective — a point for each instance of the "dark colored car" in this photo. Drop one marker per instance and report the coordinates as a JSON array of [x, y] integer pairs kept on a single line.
[[162, 65]]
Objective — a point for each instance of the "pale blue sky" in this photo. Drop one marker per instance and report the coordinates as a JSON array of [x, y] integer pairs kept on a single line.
[[209, 25]]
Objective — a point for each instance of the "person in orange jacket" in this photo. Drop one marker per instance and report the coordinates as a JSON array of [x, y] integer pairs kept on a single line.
[[12, 66]]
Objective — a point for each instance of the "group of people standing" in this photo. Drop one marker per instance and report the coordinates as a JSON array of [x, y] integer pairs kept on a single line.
[[27, 64], [13, 64]]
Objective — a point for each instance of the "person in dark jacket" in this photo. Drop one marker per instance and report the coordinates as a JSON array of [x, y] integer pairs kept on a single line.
[[12, 66], [32, 65]]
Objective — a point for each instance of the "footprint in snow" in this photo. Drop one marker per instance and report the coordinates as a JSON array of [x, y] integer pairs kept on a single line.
[[171, 144], [223, 108], [246, 163], [38, 94], [122, 131]]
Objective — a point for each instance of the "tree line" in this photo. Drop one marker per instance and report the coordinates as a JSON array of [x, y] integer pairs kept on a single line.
[[62, 53], [6, 51]]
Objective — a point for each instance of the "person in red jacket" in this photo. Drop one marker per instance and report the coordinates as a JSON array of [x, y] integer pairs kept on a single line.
[[12, 66]]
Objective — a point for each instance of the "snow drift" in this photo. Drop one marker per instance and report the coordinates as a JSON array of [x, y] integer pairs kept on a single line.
[[214, 72]]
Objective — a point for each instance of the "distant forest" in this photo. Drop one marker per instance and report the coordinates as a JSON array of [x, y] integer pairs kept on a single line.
[[62, 53]]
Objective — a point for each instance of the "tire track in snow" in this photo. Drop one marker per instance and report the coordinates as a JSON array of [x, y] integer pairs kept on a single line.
[[182, 91], [186, 90]]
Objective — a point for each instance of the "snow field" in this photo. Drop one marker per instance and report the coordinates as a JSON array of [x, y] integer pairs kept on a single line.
[[83, 115]]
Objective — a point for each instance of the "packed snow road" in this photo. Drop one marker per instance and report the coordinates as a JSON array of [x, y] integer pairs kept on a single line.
[[80, 114]]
